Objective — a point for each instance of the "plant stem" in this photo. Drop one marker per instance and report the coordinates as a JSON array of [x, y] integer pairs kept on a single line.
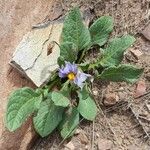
[[82, 55], [53, 82]]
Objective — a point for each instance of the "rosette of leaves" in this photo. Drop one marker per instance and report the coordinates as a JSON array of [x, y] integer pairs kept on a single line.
[[63, 109]]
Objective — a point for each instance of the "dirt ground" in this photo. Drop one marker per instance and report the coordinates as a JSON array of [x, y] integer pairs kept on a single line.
[[119, 123]]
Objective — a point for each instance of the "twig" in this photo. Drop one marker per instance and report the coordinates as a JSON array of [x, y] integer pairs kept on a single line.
[[93, 136], [137, 118], [117, 106], [144, 118], [134, 127], [148, 107], [109, 124]]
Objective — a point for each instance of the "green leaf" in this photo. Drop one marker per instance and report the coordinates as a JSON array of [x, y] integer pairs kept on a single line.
[[68, 51], [87, 108], [65, 90], [84, 93], [61, 61], [124, 72], [59, 99], [113, 54], [69, 124], [101, 29], [48, 118], [84, 66], [43, 91], [22, 103], [75, 31]]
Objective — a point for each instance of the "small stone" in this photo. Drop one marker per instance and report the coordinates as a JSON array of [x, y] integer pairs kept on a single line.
[[70, 146], [146, 32], [104, 144], [136, 53], [140, 89], [121, 89], [77, 131], [110, 99], [95, 92], [97, 135]]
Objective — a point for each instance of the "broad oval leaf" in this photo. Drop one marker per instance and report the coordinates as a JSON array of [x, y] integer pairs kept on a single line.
[[69, 123], [113, 54], [75, 31], [68, 51], [127, 73], [84, 93], [22, 103], [59, 99], [101, 29], [87, 108], [48, 118]]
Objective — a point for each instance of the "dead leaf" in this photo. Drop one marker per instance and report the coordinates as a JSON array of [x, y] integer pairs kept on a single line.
[[79, 141], [70, 146], [110, 99], [146, 32], [136, 53], [50, 48], [140, 89], [104, 144], [83, 138]]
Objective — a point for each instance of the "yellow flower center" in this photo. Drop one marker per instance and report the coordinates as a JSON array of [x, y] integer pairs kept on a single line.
[[71, 76]]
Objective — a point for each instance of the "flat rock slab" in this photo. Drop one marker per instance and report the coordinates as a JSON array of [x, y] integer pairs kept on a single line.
[[36, 55]]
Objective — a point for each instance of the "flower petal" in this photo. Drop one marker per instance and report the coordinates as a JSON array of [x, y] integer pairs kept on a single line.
[[80, 78], [71, 67], [78, 82], [61, 73], [83, 76], [74, 68], [68, 68]]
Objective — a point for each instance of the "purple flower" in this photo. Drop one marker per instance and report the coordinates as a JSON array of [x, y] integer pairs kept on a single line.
[[71, 71]]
